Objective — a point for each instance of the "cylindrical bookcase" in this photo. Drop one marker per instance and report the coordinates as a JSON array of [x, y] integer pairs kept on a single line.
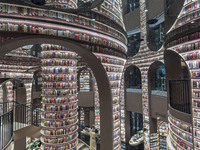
[[59, 98]]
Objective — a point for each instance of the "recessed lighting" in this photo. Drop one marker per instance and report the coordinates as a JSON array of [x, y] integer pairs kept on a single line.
[[93, 19], [145, 10], [192, 21]]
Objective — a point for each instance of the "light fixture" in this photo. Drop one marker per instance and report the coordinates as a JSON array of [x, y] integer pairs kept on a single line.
[[146, 10], [158, 118], [152, 21], [192, 21]]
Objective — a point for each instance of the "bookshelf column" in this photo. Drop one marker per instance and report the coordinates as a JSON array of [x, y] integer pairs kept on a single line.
[[59, 98], [144, 72]]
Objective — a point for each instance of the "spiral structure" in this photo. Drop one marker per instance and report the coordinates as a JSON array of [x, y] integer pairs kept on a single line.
[[59, 98], [101, 31], [183, 39]]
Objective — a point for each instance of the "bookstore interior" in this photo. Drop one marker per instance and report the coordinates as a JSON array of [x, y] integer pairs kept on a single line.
[[100, 74]]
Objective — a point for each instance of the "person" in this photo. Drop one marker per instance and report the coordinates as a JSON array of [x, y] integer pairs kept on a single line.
[[93, 135]]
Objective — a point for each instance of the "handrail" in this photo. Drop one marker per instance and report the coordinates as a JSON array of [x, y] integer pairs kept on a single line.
[[6, 129], [179, 96], [5, 113], [16, 119]]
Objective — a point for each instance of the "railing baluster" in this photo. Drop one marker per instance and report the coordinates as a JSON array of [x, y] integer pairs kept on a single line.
[[17, 119], [179, 95]]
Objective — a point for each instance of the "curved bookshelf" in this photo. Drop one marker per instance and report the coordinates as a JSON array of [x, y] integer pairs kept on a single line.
[[58, 117]]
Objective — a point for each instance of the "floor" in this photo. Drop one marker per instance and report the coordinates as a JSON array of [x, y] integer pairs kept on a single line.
[[86, 139]]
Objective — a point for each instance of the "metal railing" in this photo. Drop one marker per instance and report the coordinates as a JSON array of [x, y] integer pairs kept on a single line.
[[22, 115], [6, 128], [179, 91], [36, 115]]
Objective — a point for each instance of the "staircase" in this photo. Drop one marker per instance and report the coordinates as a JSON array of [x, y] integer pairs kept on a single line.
[[16, 125], [82, 145], [22, 116]]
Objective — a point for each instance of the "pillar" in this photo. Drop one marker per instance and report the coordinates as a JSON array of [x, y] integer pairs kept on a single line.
[[59, 98]]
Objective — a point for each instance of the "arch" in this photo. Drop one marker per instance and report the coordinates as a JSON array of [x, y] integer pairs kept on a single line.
[[178, 82], [135, 69], [133, 102], [163, 132], [89, 117], [152, 75], [105, 96], [172, 10], [11, 80], [133, 44], [78, 78], [155, 24], [157, 94], [5, 91]]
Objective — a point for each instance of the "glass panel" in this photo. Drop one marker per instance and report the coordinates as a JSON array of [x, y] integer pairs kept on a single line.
[[136, 123], [156, 36], [133, 44], [160, 81], [135, 78], [132, 5]]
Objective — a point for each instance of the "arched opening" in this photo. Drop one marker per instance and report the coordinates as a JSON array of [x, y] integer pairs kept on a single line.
[[85, 80], [133, 107], [7, 96], [86, 98], [100, 75], [133, 44], [11, 90], [133, 77], [14, 108], [155, 24], [163, 133], [157, 97], [178, 82], [157, 79], [172, 10]]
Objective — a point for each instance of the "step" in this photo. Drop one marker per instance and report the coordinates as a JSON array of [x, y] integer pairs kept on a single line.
[[80, 145], [85, 148]]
